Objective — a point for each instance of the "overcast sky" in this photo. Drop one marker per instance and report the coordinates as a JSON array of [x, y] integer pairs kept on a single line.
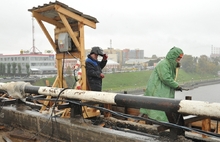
[[154, 26]]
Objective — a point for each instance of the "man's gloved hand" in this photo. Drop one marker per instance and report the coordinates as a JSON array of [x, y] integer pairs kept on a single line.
[[102, 75], [105, 57], [179, 88]]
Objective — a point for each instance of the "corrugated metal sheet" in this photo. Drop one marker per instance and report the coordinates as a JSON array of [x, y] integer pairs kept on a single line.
[[48, 11]]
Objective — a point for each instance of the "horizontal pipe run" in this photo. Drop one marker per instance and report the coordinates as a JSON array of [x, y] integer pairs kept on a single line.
[[127, 100], [172, 105], [156, 103]]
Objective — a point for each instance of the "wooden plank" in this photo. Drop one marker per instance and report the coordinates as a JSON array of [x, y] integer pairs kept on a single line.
[[108, 106], [45, 103], [68, 13], [47, 83], [133, 111], [84, 84], [217, 127], [198, 124], [48, 20], [66, 113], [47, 34], [89, 112], [191, 118], [206, 126], [63, 30], [69, 29], [67, 56]]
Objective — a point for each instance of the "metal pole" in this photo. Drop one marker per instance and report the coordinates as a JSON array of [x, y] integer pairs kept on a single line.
[[200, 108]]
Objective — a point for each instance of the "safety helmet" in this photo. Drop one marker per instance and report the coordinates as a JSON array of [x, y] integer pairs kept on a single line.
[[97, 50]]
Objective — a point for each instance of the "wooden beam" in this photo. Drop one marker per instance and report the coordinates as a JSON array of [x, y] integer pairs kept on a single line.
[[69, 29], [67, 56], [45, 103], [206, 126], [83, 82], [107, 114], [47, 34], [55, 83], [60, 73], [79, 18], [63, 30], [191, 118], [90, 112], [48, 20]]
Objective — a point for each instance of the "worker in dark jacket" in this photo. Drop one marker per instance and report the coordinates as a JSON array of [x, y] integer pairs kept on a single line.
[[94, 68]]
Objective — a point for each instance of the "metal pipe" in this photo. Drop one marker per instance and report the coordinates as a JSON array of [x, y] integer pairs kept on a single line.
[[199, 108]]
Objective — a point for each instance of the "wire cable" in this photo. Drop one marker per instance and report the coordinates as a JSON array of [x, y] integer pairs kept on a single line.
[[146, 119]]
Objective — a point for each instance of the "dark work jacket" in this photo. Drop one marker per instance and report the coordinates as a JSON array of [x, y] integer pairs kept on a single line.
[[93, 71]]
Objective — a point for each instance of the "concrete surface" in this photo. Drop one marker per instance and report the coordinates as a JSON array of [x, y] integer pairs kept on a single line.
[[65, 129]]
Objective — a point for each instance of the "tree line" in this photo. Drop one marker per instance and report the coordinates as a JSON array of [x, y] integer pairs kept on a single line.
[[200, 65]]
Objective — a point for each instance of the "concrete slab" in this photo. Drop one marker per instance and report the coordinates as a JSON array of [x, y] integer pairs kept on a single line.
[[64, 129]]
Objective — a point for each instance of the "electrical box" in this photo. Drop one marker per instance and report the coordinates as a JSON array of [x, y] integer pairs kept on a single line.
[[64, 42]]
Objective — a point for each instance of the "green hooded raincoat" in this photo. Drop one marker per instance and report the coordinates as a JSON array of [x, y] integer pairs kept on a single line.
[[161, 82]]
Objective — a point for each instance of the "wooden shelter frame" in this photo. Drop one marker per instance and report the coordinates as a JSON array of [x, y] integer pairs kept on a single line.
[[65, 19]]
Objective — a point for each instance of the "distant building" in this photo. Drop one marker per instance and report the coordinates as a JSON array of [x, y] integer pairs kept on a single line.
[[111, 66], [128, 54], [215, 55], [215, 52], [113, 54], [45, 63], [137, 61], [121, 56], [38, 63]]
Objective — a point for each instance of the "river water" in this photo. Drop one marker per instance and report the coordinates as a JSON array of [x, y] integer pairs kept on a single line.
[[210, 93]]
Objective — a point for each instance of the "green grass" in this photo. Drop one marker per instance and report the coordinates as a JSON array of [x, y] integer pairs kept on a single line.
[[138, 80], [132, 80], [184, 77], [125, 81], [42, 82]]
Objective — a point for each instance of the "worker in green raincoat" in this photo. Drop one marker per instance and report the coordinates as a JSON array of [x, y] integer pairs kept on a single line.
[[162, 82]]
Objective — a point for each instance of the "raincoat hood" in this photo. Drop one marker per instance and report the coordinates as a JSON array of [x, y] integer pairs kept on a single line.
[[174, 53]]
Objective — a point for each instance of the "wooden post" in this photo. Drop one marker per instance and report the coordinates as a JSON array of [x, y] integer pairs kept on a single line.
[[206, 126], [47, 83], [107, 106], [217, 127]]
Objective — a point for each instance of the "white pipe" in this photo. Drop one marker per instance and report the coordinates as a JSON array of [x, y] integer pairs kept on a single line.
[[200, 108], [102, 97]]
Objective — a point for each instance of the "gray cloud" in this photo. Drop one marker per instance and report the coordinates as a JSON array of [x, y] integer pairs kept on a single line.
[[154, 26]]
